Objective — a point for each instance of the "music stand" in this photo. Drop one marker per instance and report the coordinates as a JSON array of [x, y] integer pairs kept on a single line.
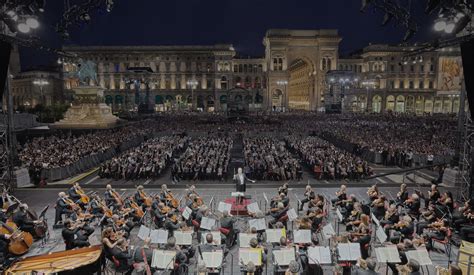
[[43, 212], [11, 208], [43, 215]]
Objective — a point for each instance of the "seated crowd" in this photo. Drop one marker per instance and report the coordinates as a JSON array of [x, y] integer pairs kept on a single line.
[[326, 161], [204, 159], [146, 161], [267, 158]]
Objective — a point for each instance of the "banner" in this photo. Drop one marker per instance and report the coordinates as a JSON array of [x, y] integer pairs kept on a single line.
[[449, 75]]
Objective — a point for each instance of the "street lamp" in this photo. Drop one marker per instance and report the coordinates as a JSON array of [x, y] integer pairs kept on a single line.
[[192, 83], [41, 83], [283, 83]]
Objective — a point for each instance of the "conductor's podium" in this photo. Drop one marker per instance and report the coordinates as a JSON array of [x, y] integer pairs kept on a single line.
[[239, 206]]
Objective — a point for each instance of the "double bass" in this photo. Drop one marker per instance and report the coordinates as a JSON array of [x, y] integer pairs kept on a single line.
[[84, 198], [20, 241]]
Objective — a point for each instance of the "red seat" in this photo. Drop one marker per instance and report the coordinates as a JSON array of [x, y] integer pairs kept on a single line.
[[224, 231], [196, 223], [116, 262], [444, 241]]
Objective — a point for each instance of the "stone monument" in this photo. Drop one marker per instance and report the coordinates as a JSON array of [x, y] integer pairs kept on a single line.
[[88, 110]]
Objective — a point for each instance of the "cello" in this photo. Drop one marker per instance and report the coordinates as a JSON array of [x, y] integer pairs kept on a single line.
[[138, 210], [84, 198], [20, 242]]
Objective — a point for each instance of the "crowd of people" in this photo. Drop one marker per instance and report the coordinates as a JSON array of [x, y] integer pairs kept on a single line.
[[267, 158], [205, 158], [326, 161], [146, 161], [64, 149]]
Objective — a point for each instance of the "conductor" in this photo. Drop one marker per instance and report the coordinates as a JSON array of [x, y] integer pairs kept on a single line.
[[240, 181]]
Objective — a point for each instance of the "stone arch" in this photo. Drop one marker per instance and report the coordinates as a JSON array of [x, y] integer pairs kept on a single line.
[[159, 99], [419, 104]]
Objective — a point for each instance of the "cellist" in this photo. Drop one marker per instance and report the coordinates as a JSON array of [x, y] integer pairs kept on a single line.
[[111, 197], [74, 194], [24, 223], [139, 196]]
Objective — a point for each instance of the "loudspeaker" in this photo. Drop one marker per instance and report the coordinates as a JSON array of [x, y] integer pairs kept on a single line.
[[467, 52], [5, 50]]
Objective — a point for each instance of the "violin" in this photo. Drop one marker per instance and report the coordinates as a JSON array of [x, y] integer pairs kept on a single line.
[[165, 210], [105, 209], [401, 224]]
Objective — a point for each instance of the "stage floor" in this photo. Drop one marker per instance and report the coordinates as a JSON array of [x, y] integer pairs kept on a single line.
[[38, 198]]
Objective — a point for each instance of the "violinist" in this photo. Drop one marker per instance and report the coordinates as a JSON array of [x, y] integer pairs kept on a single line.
[[378, 207], [63, 206], [402, 195], [143, 256], [120, 224], [160, 214], [75, 234], [316, 219], [391, 216], [23, 221], [283, 189], [227, 222], [96, 207], [317, 202], [413, 204], [461, 216], [341, 195], [433, 195], [447, 201], [361, 234], [122, 255], [438, 231], [309, 195], [172, 223], [373, 192], [426, 218], [346, 206], [304, 223], [109, 241], [276, 214], [404, 228], [354, 217]]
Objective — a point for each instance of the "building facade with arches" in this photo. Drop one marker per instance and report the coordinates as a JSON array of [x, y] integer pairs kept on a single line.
[[391, 81]]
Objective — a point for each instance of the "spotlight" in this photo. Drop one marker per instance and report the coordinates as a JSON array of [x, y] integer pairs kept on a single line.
[[450, 27], [440, 25], [32, 23], [387, 17], [60, 61], [23, 27]]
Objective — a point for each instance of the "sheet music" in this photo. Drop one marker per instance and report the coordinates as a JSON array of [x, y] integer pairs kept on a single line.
[[349, 251], [259, 224], [159, 236], [253, 207], [319, 255], [274, 235], [183, 237], [421, 255], [143, 232], [212, 259], [163, 259], [381, 235], [224, 207], [216, 237], [187, 213], [284, 256], [374, 219], [339, 215], [302, 236], [388, 254], [244, 239], [292, 214], [328, 231], [237, 194], [250, 254], [207, 223]]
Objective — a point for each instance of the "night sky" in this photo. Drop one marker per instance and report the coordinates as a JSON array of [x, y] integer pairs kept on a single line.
[[242, 23]]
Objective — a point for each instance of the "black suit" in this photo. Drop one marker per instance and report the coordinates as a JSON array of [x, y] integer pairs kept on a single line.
[[61, 208], [24, 222]]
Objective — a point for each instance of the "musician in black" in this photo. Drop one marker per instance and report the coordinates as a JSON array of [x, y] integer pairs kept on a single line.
[[277, 213], [23, 221], [110, 199], [95, 207], [74, 234], [181, 258], [227, 222], [74, 195], [309, 195], [122, 256], [414, 205], [402, 195], [171, 223], [143, 255], [159, 214], [4, 242], [138, 196], [62, 207]]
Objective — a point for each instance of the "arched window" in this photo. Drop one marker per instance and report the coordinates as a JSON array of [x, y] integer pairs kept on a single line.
[[248, 82], [377, 104], [419, 105], [400, 105], [323, 64], [258, 83], [329, 64], [390, 106]]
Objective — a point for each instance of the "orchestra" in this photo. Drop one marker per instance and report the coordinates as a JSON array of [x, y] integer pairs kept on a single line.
[[406, 223]]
